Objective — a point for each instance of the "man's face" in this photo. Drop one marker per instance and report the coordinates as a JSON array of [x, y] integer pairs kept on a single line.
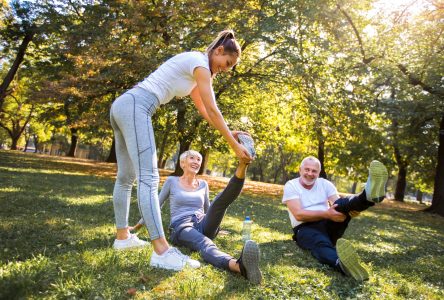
[[309, 172]]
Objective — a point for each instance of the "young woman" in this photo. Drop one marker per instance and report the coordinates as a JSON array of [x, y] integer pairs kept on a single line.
[[189, 73], [195, 223]]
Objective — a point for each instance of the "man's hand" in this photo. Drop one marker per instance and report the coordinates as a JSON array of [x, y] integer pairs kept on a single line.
[[334, 215]]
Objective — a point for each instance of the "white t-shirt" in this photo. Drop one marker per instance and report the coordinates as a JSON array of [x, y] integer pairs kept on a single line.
[[174, 78], [313, 199]]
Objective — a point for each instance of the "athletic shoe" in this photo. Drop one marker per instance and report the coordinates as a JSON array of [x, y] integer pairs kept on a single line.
[[375, 187], [173, 259], [130, 243], [249, 262], [248, 143], [349, 260]]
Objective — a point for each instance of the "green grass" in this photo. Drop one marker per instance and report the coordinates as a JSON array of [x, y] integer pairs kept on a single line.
[[57, 228]]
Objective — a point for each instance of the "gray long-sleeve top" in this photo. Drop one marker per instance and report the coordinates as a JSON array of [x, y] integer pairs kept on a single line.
[[183, 202]]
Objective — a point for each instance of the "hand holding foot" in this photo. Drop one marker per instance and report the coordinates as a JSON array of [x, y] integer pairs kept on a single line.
[[334, 215]]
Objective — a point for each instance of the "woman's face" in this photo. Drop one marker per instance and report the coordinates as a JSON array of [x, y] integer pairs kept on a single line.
[[191, 164], [222, 62]]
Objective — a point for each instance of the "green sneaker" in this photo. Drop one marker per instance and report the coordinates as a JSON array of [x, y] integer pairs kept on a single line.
[[349, 261], [375, 187]]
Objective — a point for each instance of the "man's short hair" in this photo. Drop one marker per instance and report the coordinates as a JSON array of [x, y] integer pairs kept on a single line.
[[310, 158]]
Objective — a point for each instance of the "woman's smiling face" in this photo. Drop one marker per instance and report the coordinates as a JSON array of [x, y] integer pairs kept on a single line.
[[221, 61], [191, 164]]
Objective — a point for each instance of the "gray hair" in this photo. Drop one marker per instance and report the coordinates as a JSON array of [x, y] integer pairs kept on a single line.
[[311, 158], [187, 153]]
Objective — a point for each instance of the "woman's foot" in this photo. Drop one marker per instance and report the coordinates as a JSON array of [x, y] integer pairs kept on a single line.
[[248, 142], [172, 259], [249, 262], [131, 242]]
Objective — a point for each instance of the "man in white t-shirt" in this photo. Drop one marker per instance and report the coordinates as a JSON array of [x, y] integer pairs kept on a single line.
[[319, 217]]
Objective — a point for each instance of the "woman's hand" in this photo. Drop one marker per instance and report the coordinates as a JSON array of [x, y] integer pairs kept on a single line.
[[242, 153]]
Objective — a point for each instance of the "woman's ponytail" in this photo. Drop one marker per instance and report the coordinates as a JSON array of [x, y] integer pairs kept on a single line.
[[227, 40]]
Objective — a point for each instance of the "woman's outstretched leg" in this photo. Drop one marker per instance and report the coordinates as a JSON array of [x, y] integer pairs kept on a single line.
[[219, 206]]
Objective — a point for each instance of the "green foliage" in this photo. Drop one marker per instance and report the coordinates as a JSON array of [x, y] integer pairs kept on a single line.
[[349, 80]]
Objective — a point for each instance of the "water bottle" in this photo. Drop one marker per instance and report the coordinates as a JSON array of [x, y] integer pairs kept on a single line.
[[246, 229]]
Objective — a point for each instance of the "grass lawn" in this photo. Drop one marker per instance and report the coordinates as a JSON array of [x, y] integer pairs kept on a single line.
[[57, 229]]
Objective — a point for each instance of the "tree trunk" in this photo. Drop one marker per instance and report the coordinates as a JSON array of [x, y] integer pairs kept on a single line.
[[165, 136], [276, 173], [185, 137], [354, 186], [321, 154], [27, 143], [184, 146], [438, 190], [72, 148], [15, 65], [419, 195], [401, 183], [205, 157], [253, 170], [14, 142], [36, 142], [261, 173], [112, 153]]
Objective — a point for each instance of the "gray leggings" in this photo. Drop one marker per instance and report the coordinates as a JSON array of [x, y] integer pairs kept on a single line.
[[136, 158], [196, 232]]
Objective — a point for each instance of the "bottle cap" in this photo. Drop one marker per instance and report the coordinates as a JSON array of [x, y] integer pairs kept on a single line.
[[247, 218]]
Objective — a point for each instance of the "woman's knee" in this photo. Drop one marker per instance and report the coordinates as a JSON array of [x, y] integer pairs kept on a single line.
[[125, 178]]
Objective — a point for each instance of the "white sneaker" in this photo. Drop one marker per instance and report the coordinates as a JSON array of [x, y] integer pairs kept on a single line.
[[130, 243], [173, 259]]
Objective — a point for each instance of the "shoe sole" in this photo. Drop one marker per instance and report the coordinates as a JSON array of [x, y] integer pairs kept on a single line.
[[129, 248], [165, 267], [250, 260], [378, 178], [350, 259], [248, 143]]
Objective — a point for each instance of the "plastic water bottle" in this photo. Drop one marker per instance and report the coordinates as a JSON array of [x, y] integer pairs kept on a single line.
[[246, 229]]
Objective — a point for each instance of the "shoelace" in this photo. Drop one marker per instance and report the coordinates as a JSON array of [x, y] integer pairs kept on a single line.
[[134, 236], [180, 254]]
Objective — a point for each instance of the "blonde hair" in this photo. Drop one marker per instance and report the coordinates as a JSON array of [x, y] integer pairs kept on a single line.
[[227, 40], [187, 153]]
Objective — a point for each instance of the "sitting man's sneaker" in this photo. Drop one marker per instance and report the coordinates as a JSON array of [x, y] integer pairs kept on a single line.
[[249, 262], [247, 142], [375, 187], [173, 259], [349, 261], [130, 243]]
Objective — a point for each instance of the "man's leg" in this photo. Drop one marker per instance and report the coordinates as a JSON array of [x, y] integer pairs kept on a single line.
[[336, 230], [218, 207], [313, 236], [374, 191]]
